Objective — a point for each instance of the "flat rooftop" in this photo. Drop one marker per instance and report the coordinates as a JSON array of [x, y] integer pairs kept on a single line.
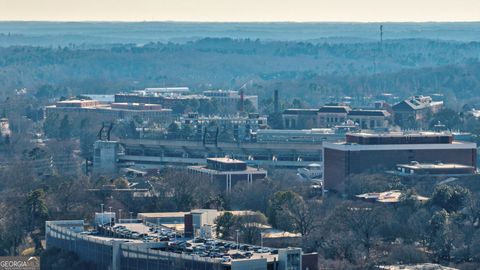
[[297, 131], [401, 134], [227, 160], [75, 101], [161, 214], [399, 138], [144, 236], [392, 196], [213, 171], [136, 107], [434, 166]]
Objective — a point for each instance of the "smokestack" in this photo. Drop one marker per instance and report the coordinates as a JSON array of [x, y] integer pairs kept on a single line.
[[242, 100], [275, 100]]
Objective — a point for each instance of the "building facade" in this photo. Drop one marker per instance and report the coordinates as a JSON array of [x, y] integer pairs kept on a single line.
[[332, 116], [415, 111], [369, 153], [227, 172], [370, 119], [79, 109], [177, 102], [300, 118]]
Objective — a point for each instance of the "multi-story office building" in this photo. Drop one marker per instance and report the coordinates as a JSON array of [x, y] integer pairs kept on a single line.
[[178, 102], [300, 118], [374, 152], [370, 119], [78, 109], [331, 116], [227, 172], [180, 99], [414, 112]]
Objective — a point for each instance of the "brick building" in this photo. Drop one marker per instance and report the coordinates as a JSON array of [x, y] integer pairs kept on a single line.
[[300, 118], [364, 153], [331, 116], [79, 109], [415, 111]]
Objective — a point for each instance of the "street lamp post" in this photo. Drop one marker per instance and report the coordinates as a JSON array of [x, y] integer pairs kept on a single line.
[[175, 229], [238, 246], [101, 206], [109, 213], [194, 234], [261, 240], [158, 229]]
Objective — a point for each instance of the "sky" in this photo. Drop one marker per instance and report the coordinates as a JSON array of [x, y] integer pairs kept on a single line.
[[241, 10]]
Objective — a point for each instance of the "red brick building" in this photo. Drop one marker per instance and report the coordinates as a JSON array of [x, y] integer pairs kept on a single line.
[[370, 153]]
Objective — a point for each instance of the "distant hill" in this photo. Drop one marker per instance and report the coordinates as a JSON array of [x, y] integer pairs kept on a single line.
[[99, 33]]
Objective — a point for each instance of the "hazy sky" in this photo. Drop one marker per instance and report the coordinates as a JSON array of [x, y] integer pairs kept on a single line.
[[241, 10]]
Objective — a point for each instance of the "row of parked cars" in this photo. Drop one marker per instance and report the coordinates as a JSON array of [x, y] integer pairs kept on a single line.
[[163, 233], [218, 249], [122, 231], [155, 235]]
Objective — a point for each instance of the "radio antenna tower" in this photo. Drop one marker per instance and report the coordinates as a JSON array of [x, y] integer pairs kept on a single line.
[[381, 34]]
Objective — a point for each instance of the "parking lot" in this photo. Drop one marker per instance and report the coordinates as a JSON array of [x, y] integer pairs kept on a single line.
[[224, 251]]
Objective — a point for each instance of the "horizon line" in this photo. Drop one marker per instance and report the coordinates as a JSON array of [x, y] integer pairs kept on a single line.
[[227, 22]]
